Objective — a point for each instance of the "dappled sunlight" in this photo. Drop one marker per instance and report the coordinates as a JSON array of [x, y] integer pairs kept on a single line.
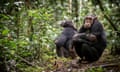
[[34, 35]]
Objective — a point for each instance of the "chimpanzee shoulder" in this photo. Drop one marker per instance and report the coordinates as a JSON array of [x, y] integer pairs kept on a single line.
[[69, 31], [97, 26]]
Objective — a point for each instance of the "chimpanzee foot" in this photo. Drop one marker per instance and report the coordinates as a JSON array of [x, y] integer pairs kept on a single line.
[[82, 61], [85, 62]]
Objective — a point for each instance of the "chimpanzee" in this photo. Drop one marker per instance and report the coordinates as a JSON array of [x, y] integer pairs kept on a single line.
[[63, 41], [90, 42]]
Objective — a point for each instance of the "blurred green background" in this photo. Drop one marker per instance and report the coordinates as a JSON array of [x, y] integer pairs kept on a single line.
[[28, 29]]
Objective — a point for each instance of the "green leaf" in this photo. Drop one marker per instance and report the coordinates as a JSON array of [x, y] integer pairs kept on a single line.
[[5, 32], [12, 52]]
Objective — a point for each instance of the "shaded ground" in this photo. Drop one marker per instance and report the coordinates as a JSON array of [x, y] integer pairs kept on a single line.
[[106, 63]]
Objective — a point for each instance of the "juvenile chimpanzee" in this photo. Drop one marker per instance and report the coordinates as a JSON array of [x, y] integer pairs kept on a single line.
[[63, 41], [90, 42]]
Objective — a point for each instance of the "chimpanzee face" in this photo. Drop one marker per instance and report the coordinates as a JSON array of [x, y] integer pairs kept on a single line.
[[88, 22]]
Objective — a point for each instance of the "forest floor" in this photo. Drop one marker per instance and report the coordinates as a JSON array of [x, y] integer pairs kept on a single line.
[[107, 63]]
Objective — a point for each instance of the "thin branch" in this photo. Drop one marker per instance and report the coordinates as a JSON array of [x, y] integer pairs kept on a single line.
[[108, 65], [102, 9], [24, 60]]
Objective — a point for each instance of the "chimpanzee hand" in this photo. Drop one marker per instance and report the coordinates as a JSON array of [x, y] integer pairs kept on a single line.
[[92, 37]]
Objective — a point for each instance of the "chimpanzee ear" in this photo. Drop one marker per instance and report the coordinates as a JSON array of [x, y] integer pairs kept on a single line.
[[94, 19]]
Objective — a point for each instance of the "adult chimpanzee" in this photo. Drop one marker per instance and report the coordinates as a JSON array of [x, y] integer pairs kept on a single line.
[[90, 42], [63, 41]]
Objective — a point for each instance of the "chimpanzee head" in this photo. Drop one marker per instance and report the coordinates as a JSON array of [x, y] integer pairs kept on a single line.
[[89, 20], [67, 23]]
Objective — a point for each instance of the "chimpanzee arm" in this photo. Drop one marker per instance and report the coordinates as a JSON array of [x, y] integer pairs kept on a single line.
[[82, 29], [97, 29]]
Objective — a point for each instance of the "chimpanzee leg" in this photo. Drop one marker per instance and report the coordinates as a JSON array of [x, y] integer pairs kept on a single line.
[[62, 51], [59, 42], [58, 51], [90, 53], [65, 52]]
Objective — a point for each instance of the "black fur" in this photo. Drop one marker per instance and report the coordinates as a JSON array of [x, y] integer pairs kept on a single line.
[[90, 50], [63, 41]]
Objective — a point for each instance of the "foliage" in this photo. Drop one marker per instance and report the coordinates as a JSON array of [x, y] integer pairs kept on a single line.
[[28, 29], [110, 10]]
